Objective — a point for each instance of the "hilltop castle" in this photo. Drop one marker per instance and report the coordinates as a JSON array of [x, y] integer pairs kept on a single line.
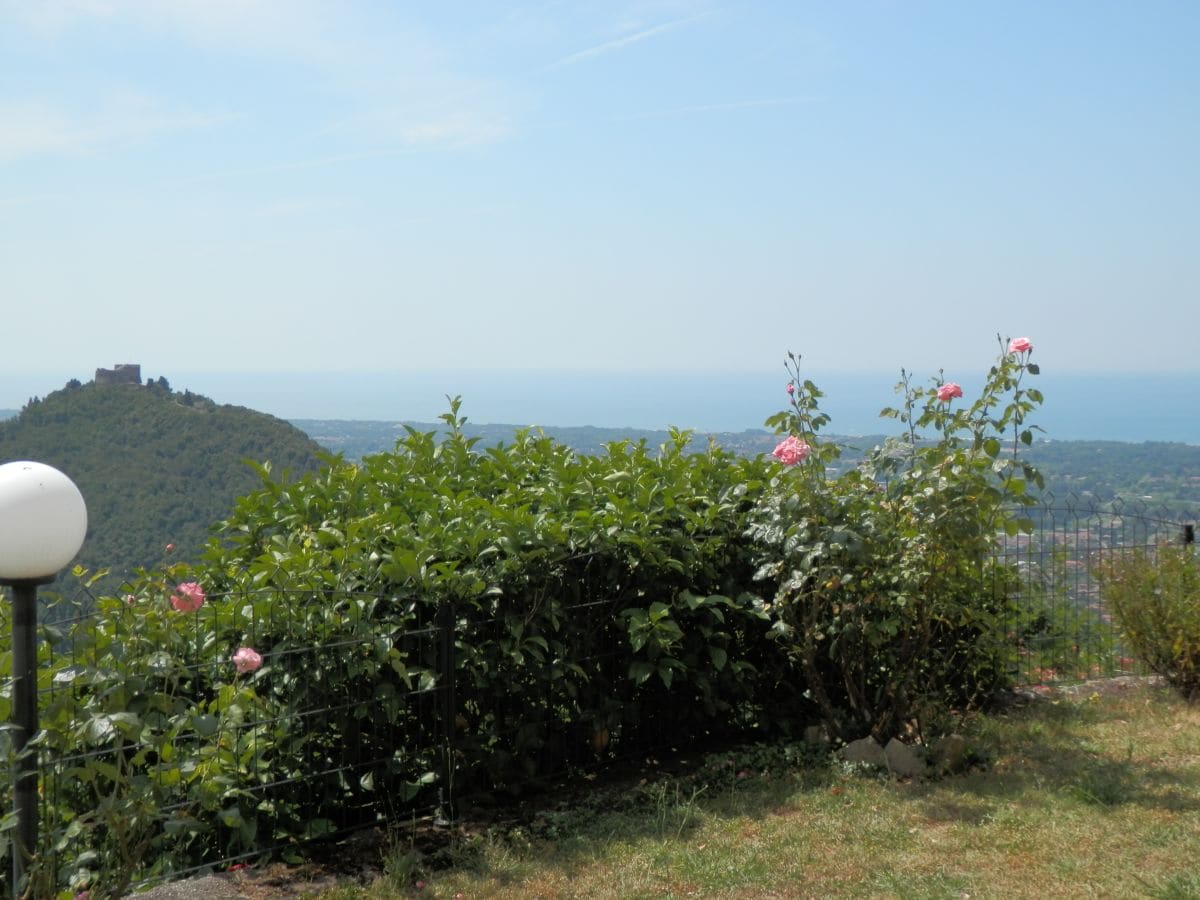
[[121, 373]]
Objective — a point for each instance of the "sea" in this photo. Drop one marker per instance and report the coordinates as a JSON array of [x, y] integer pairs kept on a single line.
[[1132, 407]]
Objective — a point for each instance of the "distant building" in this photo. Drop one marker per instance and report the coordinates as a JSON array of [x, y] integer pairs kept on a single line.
[[121, 373]]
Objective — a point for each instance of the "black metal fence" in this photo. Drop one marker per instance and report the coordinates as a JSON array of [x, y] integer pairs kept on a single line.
[[1071, 637], [73, 682], [411, 731]]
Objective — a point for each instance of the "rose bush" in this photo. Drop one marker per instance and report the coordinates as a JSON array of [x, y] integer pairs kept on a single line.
[[151, 746], [883, 587]]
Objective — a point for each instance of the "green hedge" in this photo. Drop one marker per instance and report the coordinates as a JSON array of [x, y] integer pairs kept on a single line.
[[599, 604]]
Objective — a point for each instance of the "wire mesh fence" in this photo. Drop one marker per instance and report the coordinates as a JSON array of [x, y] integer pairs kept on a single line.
[[1072, 636], [396, 714], [139, 742], [396, 730]]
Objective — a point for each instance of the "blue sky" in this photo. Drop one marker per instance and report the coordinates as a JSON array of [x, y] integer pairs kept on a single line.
[[685, 185]]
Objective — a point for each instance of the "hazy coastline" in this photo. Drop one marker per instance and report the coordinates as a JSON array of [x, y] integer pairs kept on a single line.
[[1079, 406]]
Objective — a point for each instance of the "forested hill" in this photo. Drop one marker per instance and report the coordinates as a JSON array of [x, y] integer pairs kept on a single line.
[[155, 466]]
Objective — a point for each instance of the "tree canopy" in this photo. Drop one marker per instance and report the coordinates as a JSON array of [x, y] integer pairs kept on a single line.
[[155, 467]]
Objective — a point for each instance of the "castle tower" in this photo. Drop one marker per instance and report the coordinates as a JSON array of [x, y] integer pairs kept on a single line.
[[121, 373]]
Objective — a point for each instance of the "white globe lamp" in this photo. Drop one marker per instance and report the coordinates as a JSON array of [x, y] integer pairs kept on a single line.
[[43, 521]]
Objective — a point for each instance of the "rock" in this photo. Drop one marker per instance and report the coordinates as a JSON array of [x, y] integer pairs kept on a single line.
[[904, 760], [865, 750], [951, 754], [816, 734]]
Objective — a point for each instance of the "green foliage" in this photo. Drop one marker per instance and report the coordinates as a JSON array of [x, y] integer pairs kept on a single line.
[[593, 597], [1057, 634], [167, 756], [1156, 473], [886, 592], [155, 467], [597, 604], [120, 713], [1155, 599]]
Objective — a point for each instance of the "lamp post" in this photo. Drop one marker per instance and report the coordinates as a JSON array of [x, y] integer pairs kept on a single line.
[[43, 521]]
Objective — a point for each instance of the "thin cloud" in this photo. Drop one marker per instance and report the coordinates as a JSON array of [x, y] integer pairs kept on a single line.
[[408, 139], [453, 131], [469, 126], [624, 41], [698, 109], [368, 60], [34, 130], [294, 27], [719, 107], [288, 208], [38, 129]]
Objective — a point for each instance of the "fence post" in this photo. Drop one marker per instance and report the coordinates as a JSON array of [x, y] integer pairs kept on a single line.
[[25, 726], [446, 622], [1189, 534]]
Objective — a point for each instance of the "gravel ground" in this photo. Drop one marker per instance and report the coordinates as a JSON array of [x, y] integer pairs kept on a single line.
[[267, 883], [210, 887], [355, 860]]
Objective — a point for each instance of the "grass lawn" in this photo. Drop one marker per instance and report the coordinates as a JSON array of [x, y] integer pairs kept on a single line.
[[1083, 794]]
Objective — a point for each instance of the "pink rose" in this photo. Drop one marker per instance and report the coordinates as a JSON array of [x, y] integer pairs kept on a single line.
[[1020, 345], [791, 450], [791, 388], [170, 547], [246, 660], [188, 597], [949, 391]]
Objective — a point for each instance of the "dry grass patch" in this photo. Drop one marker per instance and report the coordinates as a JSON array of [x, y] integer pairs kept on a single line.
[[1087, 794]]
